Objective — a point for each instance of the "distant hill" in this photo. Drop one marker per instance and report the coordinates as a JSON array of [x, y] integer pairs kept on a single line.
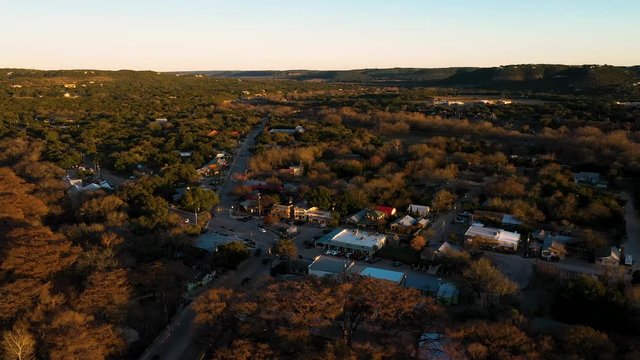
[[530, 76]]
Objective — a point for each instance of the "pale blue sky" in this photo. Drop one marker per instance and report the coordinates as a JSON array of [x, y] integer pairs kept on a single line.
[[323, 34]]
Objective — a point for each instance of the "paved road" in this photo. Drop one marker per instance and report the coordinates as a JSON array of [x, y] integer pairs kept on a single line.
[[176, 342], [632, 218]]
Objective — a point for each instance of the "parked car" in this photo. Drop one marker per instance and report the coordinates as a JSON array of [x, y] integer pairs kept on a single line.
[[262, 230]]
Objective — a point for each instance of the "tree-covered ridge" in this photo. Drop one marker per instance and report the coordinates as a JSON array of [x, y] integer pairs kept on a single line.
[[541, 77]]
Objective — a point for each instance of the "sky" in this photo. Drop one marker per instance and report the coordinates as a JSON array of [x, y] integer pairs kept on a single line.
[[176, 35]]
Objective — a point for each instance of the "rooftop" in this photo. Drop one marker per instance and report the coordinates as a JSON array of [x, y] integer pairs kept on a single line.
[[498, 235], [382, 274], [330, 264], [363, 239]]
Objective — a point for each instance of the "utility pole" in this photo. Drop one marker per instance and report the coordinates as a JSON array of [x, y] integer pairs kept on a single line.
[[259, 204], [443, 225]]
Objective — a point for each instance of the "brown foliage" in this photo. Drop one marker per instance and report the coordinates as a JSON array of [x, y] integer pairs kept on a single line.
[[36, 252], [73, 335], [106, 294]]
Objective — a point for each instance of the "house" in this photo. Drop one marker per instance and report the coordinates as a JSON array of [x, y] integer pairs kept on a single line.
[[353, 240], [496, 238], [448, 294], [185, 153], [282, 211], [552, 249], [298, 129], [510, 220], [357, 217], [404, 224], [447, 250], [70, 86], [249, 206], [418, 210], [329, 266], [608, 256], [375, 215], [387, 210], [395, 277], [213, 132], [161, 121], [292, 171], [589, 178]]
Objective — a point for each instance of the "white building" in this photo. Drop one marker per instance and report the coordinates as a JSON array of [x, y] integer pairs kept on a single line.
[[419, 210], [354, 241], [492, 236]]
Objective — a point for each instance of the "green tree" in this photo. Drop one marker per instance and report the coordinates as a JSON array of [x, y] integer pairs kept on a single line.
[[586, 343], [443, 200], [231, 255], [482, 276], [285, 248], [199, 199]]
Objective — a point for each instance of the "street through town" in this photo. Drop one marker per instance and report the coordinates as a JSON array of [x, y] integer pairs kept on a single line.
[[176, 341]]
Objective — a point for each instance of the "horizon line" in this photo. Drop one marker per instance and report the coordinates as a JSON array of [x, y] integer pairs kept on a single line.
[[311, 69]]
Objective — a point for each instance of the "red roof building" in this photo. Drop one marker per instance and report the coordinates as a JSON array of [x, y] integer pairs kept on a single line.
[[388, 210]]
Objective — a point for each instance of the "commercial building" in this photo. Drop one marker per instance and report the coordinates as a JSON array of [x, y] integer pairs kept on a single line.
[[493, 237], [328, 266], [395, 277], [353, 240]]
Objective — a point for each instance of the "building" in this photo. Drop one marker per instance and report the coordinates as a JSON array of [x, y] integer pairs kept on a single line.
[[357, 217], [387, 210], [294, 170], [249, 206], [589, 178], [282, 211], [210, 241], [353, 240], [395, 277], [321, 217], [311, 214], [70, 86], [408, 224], [329, 266], [448, 294], [608, 256], [447, 250], [496, 238], [418, 210], [298, 129]]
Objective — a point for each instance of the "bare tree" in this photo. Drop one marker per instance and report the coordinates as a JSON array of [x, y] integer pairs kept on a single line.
[[18, 343]]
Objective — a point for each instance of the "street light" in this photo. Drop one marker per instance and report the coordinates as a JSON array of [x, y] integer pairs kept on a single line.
[[259, 204], [196, 208]]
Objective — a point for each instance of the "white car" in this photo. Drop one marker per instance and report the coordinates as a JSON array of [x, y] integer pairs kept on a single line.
[[262, 230], [328, 252]]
